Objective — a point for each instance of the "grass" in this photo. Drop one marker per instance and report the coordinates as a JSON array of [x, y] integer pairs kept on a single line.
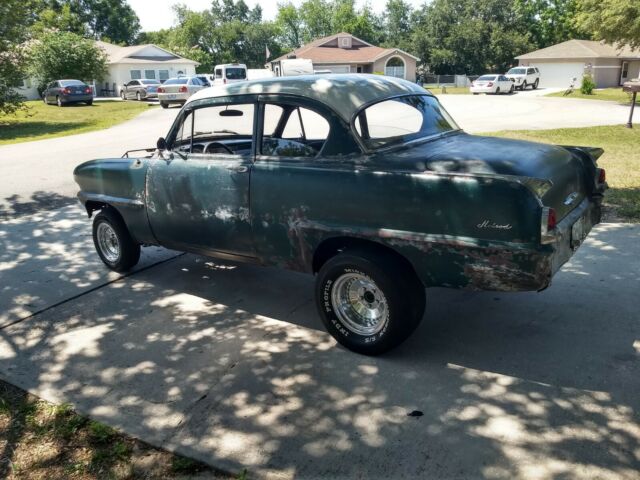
[[39, 440], [608, 94], [38, 121], [621, 161], [436, 90]]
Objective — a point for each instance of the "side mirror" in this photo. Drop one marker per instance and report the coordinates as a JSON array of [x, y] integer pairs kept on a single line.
[[161, 144]]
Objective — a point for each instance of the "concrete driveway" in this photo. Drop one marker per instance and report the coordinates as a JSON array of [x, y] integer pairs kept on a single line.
[[229, 364], [38, 174]]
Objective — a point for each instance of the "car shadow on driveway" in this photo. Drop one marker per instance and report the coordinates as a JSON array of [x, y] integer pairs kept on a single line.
[[229, 364]]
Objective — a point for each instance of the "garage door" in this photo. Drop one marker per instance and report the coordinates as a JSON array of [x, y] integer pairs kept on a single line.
[[337, 68], [559, 75]]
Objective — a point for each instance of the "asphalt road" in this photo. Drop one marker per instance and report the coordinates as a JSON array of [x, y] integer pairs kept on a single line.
[[38, 175], [229, 364]]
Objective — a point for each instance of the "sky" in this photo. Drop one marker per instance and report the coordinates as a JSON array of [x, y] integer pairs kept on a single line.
[[157, 14]]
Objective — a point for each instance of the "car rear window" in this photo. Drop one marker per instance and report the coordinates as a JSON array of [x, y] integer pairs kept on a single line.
[[177, 81], [71, 83], [487, 78], [236, 73], [398, 120]]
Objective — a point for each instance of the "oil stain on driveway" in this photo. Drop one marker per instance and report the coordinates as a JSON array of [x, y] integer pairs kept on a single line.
[[229, 364]]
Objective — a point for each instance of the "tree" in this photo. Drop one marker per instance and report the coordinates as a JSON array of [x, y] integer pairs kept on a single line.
[[549, 21], [111, 20], [56, 55], [611, 20], [398, 24], [16, 17], [290, 25], [466, 36]]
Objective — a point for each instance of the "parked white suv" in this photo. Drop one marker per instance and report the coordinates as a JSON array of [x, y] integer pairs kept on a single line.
[[523, 77]]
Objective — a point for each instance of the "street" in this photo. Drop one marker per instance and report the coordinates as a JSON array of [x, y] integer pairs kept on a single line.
[[230, 364]]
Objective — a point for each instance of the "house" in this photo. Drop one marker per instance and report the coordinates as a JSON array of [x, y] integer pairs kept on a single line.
[[610, 65], [141, 61], [128, 63], [344, 53]]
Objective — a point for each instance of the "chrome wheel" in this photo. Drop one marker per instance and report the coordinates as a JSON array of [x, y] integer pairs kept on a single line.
[[108, 242], [359, 304]]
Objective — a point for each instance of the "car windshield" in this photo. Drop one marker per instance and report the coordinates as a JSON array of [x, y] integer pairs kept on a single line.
[[71, 83], [177, 81], [399, 120], [517, 71], [487, 78], [236, 73], [150, 82]]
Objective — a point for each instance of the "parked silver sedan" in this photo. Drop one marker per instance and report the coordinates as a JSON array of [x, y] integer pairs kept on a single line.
[[178, 90], [140, 89]]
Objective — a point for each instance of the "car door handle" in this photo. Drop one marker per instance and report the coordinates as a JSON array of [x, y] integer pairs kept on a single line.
[[239, 169]]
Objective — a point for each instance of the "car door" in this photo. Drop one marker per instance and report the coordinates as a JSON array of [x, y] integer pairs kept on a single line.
[[300, 178], [198, 196], [52, 92], [132, 88]]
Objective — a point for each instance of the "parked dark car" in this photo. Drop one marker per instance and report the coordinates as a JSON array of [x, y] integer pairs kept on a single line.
[[140, 89], [364, 181], [65, 92]]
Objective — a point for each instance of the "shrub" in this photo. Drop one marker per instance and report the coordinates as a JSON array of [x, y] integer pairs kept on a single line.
[[587, 85]]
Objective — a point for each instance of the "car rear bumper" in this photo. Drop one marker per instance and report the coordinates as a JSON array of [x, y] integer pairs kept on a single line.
[[173, 97], [76, 98], [482, 89]]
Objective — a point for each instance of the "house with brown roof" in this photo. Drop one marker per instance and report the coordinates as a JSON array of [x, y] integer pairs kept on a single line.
[[344, 53], [610, 65]]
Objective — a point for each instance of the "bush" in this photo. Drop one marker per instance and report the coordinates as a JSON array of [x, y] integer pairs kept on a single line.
[[587, 85], [56, 55]]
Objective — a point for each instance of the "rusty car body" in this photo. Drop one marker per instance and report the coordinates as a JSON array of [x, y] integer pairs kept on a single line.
[[374, 189]]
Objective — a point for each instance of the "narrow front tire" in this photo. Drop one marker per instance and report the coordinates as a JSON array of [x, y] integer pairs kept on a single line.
[[115, 246]]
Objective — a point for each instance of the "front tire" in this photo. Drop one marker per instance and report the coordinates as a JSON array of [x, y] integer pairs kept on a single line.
[[123, 95], [511, 90], [113, 242], [369, 301], [138, 97], [535, 84]]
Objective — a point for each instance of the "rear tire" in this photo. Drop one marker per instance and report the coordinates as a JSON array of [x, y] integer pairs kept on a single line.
[[123, 95], [113, 242], [369, 301], [497, 90], [512, 89], [59, 102], [89, 102], [164, 104]]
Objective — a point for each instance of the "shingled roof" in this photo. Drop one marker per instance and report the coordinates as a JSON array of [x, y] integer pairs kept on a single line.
[[118, 54], [582, 49], [319, 51]]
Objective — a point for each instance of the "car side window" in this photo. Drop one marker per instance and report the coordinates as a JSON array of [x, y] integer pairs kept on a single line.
[[218, 73], [217, 130], [530, 71], [291, 131]]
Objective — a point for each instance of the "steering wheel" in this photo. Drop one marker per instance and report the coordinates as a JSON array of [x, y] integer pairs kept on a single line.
[[218, 145]]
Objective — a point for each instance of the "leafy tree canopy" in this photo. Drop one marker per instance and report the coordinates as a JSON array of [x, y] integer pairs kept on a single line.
[[616, 21], [60, 55]]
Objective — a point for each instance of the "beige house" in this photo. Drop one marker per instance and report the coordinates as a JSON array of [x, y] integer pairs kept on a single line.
[[140, 61], [344, 53], [610, 65], [129, 63]]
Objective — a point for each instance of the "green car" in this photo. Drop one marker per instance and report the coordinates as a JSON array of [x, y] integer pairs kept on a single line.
[[364, 181]]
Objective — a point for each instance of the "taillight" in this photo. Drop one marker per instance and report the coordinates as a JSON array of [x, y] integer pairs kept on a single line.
[[490, 84], [66, 91], [160, 90], [87, 90], [602, 175], [183, 89], [224, 81], [548, 223]]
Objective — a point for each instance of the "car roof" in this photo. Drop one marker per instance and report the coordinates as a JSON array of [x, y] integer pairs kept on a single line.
[[344, 93]]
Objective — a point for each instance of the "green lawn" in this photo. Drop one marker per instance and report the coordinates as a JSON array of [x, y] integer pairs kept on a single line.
[[610, 94], [45, 441], [40, 121], [449, 90], [621, 161]]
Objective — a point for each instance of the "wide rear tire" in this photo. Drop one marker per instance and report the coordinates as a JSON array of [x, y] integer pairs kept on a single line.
[[164, 104], [369, 301], [113, 242]]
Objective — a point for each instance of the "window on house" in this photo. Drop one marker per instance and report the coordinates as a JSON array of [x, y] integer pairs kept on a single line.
[[163, 75], [151, 74], [136, 75], [625, 69]]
